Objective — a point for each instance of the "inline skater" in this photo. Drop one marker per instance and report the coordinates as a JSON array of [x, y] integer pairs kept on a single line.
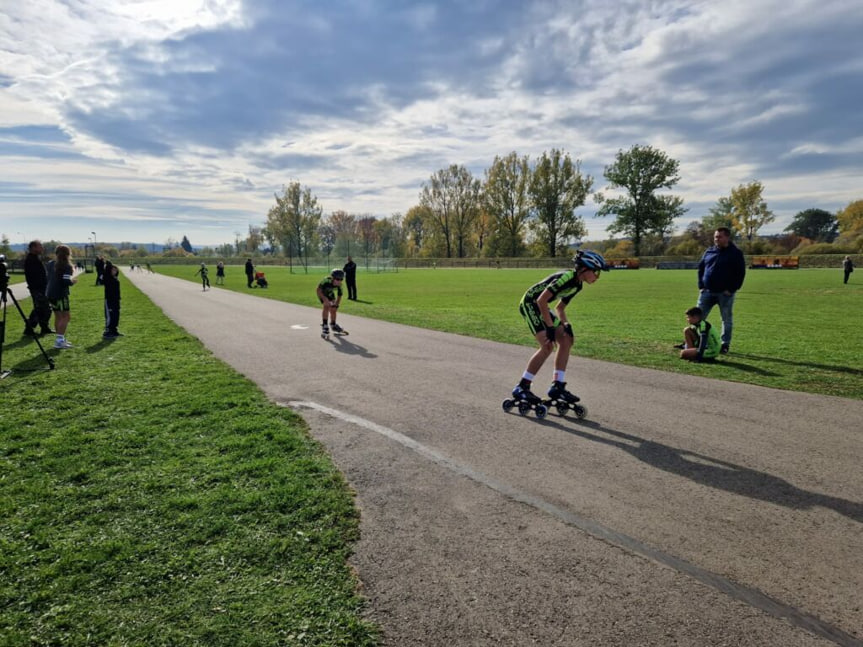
[[550, 327], [330, 295]]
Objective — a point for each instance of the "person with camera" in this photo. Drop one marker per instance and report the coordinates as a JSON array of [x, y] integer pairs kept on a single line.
[[37, 283], [61, 276]]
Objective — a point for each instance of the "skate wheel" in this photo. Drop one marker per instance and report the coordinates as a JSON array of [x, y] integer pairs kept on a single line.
[[541, 411], [562, 408], [508, 405], [580, 411], [523, 408]]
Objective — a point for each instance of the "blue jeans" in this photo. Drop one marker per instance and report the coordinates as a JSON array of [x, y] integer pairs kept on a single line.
[[706, 301]]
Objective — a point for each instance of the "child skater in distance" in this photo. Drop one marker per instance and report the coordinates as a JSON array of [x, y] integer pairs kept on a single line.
[[205, 279], [702, 340], [552, 326], [111, 280]]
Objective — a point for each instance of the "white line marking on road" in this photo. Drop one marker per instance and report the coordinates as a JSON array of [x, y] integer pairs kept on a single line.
[[752, 597], [299, 327]]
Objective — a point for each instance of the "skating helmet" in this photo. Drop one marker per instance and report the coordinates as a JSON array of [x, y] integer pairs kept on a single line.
[[590, 260], [203, 265], [339, 275]]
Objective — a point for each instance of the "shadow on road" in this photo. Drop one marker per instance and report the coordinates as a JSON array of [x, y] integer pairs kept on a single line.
[[342, 345], [826, 367], [712, 472]]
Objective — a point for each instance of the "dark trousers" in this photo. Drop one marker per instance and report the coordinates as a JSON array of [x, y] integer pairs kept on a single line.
[[847, 274], [41, 314], [249, 279], [112, 316], [352, 286]]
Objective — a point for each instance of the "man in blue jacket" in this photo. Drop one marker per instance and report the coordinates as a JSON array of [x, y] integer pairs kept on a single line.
[[720, 275]]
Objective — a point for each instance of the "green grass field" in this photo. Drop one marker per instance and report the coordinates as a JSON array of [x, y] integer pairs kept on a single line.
[[149, 495], [794, 329]]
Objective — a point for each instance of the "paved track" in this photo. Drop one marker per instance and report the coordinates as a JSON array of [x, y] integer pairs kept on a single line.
[[683, 511]]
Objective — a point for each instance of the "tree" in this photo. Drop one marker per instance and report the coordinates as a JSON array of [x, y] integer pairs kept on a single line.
[[345, 227], [749, 211], [815, 224], [452, 197], [851, 218], [186, 245], [294, 220], [368, 236], [416, 225], [506, 199], [641, 171], [557, 188]]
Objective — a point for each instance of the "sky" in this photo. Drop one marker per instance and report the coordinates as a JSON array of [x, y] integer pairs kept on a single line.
[[148, 120]]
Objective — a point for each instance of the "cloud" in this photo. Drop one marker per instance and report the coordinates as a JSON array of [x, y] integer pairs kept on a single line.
[[199, 103]]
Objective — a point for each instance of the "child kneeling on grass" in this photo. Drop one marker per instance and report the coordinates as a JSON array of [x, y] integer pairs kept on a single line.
[[702, 340]]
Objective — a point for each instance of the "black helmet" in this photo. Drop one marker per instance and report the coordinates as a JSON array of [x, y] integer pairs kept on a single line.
[[338, 274]]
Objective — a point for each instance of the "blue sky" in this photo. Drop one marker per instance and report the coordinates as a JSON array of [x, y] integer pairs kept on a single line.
[[149, 120]]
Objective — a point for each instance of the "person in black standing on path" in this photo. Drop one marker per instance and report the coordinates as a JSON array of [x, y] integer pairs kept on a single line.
[[350, 270], [250, 273], [848, 267], [100, 269], [37, 282], [112, 301]]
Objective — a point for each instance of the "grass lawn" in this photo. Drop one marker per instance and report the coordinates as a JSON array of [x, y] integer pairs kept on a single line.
[[149, 495], [794, 329]]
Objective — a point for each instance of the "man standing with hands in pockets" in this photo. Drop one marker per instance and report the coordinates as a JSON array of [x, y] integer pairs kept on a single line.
[[721, 271]]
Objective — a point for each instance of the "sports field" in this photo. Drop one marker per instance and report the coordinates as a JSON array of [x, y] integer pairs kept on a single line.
[[794, 329]]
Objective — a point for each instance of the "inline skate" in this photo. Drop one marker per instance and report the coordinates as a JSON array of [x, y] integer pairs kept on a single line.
[[525, 400]]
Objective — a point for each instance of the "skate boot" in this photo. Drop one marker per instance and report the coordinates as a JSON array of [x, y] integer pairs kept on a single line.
[[563, 400], [325, 331], [525, 400], [336, 328]]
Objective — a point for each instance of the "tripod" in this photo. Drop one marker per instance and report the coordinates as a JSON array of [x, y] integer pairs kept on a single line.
[[4, 291]]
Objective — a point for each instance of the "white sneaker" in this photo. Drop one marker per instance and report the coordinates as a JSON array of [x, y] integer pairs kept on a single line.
[[63, 344]]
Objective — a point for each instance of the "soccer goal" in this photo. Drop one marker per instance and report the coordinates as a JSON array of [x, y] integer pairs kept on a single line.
[[385, 265]]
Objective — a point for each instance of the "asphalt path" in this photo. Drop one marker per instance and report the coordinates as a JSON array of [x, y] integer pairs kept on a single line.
[[681, 511]]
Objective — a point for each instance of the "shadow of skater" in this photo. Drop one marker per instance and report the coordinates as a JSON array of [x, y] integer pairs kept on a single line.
[[746, 368], [342, 345], [715, 473]]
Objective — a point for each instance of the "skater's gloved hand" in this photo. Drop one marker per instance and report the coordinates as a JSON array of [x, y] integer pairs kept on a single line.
[[549, 333], [567, 328]]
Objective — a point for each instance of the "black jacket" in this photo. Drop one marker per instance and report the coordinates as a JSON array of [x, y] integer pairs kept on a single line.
[[721, 269], [34, 272]]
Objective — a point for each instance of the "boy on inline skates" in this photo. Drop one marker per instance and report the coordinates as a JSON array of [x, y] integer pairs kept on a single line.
[[550, 327], [330, 295]]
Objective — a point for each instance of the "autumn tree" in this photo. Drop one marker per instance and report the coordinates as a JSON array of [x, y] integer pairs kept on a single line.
[[749, 211], [851, 218], [344, 225], [506, 200], [557, 188], [641, 172]]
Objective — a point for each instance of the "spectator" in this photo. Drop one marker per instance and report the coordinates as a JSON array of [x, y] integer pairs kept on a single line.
[[847, 267], [100, 269], [701, 339], [220, 273], [250, 272], [721, 271], [111, 281], [350, 271], [60, 279], [37, 284]]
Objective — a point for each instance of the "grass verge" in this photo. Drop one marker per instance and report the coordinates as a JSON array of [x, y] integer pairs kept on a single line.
[[149, 495], [794, 330]]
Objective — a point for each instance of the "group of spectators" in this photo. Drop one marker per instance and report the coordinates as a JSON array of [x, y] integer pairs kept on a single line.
[[49, 286]]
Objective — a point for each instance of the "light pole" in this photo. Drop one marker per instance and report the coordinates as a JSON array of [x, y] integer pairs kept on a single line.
[[94, 242]]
